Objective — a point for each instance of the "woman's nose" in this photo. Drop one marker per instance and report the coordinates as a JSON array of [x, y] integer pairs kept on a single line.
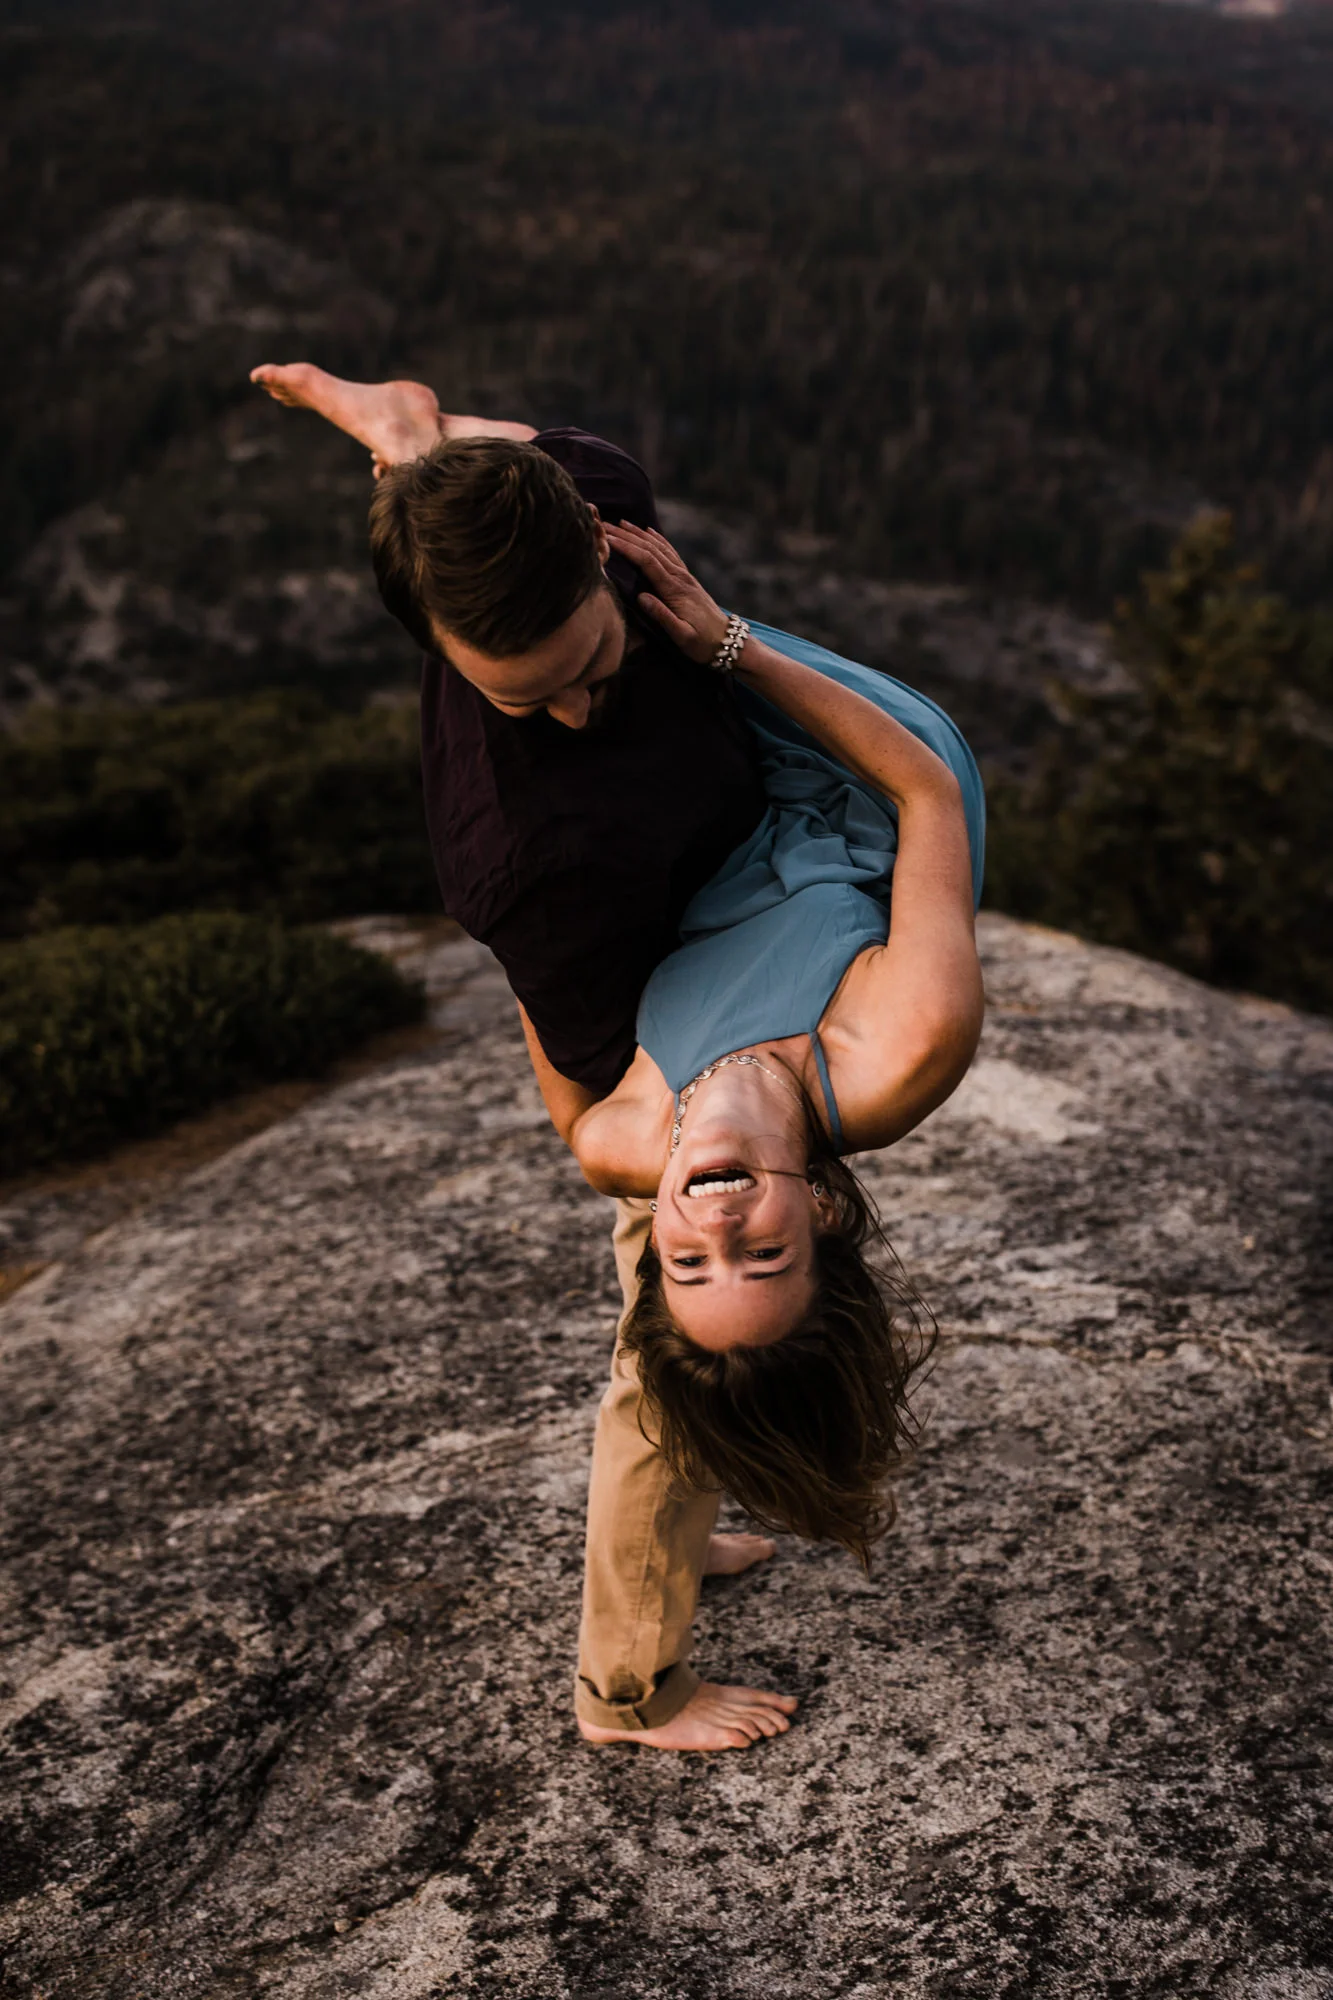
[[722, 1221]]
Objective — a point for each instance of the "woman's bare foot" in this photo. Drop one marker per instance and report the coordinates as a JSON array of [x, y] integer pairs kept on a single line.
[[393, 420], [714, 1718], [728, 1555]]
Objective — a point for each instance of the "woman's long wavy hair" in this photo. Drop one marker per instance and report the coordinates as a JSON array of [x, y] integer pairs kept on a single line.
[[803, 1432]]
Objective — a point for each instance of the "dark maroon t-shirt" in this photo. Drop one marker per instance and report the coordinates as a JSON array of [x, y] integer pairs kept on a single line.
[[572, 853]]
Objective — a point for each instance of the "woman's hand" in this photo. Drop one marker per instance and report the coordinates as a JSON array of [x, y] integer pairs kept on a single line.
[[677, 601]]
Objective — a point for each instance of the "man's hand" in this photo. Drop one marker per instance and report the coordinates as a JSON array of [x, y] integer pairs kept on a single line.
[[677, 602]]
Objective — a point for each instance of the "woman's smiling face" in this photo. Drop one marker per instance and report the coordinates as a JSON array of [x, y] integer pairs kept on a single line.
[[736, 1218]]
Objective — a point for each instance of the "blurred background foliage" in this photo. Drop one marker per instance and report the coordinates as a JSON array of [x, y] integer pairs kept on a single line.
[[273, 802], [111, 1034], [1191, 814], [996, 299]]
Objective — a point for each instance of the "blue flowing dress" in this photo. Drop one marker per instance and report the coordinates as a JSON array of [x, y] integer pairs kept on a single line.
[[765, 943]]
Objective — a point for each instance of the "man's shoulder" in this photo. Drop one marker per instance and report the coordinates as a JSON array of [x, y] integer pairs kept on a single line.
[[606, 475]]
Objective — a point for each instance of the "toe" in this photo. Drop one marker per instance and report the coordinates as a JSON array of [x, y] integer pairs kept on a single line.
[[764, 1698], [738, 1719], [771, 1720]]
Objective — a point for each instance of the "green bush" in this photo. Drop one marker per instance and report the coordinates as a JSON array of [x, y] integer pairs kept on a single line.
[[1192, 818], [112, 1034], [275, 802]]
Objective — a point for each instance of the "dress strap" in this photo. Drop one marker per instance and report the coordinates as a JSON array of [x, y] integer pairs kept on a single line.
[[826, 1084]]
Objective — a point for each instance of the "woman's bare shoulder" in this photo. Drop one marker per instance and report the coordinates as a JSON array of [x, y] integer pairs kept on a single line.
[[899, 1039]]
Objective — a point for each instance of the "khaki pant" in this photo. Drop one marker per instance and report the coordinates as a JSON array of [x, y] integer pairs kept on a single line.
[[647, 1539]]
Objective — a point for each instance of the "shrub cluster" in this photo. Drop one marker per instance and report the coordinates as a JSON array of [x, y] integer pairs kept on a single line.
[[1192, 818], [276, 802], [112, 1034]]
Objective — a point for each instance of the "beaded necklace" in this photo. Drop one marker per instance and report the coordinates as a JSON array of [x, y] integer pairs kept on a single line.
[[752, 1062]]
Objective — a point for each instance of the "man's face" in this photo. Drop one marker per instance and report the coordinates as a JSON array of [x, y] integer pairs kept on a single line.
[[569, 674]]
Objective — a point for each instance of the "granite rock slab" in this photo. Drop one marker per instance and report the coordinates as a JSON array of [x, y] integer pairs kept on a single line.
[[294, 1470]]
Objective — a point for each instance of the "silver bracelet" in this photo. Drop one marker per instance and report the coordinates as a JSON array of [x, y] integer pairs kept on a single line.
[[733, 645]]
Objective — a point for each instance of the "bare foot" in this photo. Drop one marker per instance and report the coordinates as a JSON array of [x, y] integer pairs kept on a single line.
[[728, 1555], [714, 1718], [393, 420]]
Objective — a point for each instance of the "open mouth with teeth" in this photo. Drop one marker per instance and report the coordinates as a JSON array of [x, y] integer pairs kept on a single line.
[[718, 1180]]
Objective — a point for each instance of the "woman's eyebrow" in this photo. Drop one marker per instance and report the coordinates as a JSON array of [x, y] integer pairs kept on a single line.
[[751, 1277]]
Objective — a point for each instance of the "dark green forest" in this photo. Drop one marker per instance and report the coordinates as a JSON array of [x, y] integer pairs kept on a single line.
[[992, 290], [1032, 298]]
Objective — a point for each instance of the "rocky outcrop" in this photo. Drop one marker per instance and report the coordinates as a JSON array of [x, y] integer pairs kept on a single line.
[[105, 608], [294, 1483], [258, 586], [155, 276], [223, 547]]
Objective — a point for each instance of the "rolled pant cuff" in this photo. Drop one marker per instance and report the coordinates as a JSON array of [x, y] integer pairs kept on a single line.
[[665, 1702]]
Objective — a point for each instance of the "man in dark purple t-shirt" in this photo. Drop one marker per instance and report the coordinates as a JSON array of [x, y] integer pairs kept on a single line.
[[572, 850], [582, 777]]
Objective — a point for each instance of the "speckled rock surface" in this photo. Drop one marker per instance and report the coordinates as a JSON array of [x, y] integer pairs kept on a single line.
[[293, 1487]]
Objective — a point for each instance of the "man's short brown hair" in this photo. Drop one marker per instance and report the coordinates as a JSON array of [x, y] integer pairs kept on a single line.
[[486, 538]]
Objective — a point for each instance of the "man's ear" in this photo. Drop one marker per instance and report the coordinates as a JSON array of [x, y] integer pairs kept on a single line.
[[603, 540]]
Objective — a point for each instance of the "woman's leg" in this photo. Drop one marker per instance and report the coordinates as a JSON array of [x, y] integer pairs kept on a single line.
[[649, 1542], [393, 420]]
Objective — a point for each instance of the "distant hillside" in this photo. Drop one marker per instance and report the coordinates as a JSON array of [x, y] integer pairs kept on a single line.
[[1252, 10], [972, 294]]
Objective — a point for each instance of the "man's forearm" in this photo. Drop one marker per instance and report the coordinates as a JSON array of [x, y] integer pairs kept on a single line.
[[564, 1099]]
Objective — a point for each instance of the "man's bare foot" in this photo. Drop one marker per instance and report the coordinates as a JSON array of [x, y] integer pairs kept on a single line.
[[728, 1555], [714, 1718], [393, 420]]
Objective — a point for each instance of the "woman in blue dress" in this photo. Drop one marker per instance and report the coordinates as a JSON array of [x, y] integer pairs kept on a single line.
[[794, 1025]]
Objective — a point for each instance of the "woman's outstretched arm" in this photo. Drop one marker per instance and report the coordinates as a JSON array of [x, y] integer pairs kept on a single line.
[[910, 1014], [872, 745]]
